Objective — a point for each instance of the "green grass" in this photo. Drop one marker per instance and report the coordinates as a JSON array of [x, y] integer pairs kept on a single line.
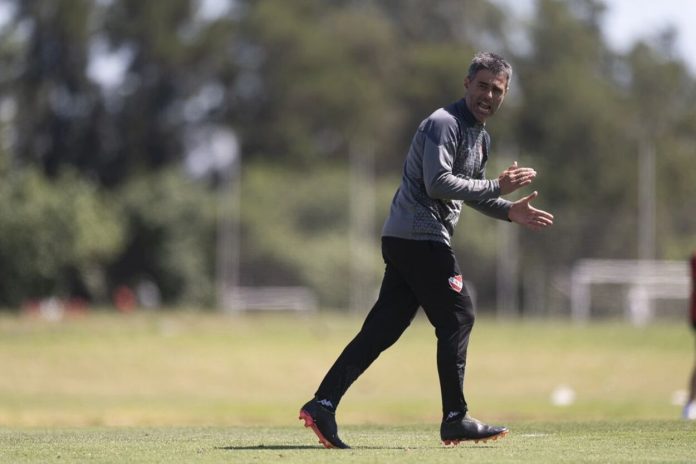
[[197, 387], [534, 442]]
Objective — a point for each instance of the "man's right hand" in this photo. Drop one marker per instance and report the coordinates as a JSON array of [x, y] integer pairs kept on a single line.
[[514, 178]]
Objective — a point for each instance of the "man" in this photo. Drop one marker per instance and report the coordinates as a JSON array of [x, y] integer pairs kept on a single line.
[[444, 168], [689, 412]]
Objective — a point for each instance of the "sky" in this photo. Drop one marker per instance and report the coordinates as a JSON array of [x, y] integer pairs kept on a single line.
[[624, 22], [627, 21]]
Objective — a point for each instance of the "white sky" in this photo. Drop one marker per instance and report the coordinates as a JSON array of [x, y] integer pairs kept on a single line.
[[626, 21]]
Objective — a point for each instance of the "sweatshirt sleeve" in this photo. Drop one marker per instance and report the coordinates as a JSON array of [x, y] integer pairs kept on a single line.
[[497, 208], [438, 157]]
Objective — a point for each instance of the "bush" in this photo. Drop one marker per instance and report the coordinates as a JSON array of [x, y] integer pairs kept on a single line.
[[296, 231], [56, 237], [169, 223]]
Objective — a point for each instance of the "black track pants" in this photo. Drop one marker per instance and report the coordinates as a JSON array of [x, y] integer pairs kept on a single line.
[[418, 273]]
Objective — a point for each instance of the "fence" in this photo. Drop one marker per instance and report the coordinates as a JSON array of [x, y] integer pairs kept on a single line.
[[270, 299], [644, 281]]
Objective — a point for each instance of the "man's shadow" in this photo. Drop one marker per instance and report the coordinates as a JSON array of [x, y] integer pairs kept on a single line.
[[266, 447], [314, 447]]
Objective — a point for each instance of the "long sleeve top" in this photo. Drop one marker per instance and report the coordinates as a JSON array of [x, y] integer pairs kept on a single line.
[[444, 167]]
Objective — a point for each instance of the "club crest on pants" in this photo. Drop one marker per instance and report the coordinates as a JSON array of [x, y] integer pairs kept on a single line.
[[456, 283]]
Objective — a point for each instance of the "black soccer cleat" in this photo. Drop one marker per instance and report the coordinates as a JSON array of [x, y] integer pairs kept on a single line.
[[469, 429], [323, 422]]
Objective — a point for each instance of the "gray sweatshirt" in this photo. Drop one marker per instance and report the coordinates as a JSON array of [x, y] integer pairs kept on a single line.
[[445, 167]]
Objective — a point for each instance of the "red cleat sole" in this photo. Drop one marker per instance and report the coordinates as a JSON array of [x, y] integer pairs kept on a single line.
[[456, 442], [309, 422]]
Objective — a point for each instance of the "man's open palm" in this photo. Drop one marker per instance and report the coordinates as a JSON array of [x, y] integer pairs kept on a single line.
[[526, 215]]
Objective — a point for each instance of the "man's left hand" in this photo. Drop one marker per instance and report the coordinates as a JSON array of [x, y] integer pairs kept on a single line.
[[526, 215]]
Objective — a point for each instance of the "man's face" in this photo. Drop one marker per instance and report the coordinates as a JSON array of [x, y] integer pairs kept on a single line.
[[485, 93]]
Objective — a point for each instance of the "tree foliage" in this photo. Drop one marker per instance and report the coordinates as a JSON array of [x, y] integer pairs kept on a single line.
[[169, 222], [56, 237], [102, 103]]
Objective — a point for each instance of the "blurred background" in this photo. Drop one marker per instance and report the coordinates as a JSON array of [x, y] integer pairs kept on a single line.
[[240, 154]]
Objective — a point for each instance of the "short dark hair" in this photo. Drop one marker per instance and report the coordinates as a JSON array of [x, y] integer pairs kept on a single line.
[[492, 62]]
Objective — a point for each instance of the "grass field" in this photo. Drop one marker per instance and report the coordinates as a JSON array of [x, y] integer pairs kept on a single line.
[[532, 442], [198, 387]]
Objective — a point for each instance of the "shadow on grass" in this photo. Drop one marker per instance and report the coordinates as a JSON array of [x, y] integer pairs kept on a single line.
[[266, 447], [313, 447]]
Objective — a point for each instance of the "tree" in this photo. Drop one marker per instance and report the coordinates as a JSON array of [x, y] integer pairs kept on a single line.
[[315, 80], [570, 127], [57, 105], [176, 83], [661, 94], [56, 238]]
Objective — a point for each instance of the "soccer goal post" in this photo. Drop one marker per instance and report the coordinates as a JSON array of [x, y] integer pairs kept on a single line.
[[643, 281]]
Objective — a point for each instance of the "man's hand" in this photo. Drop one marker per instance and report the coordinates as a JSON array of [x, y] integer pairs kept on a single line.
[[524, 214], [514, 177]]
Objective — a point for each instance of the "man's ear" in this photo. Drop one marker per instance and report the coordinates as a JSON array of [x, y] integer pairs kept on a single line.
[[466, 83]]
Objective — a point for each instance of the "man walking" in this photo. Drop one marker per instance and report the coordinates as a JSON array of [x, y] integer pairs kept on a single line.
[[444, 168]]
